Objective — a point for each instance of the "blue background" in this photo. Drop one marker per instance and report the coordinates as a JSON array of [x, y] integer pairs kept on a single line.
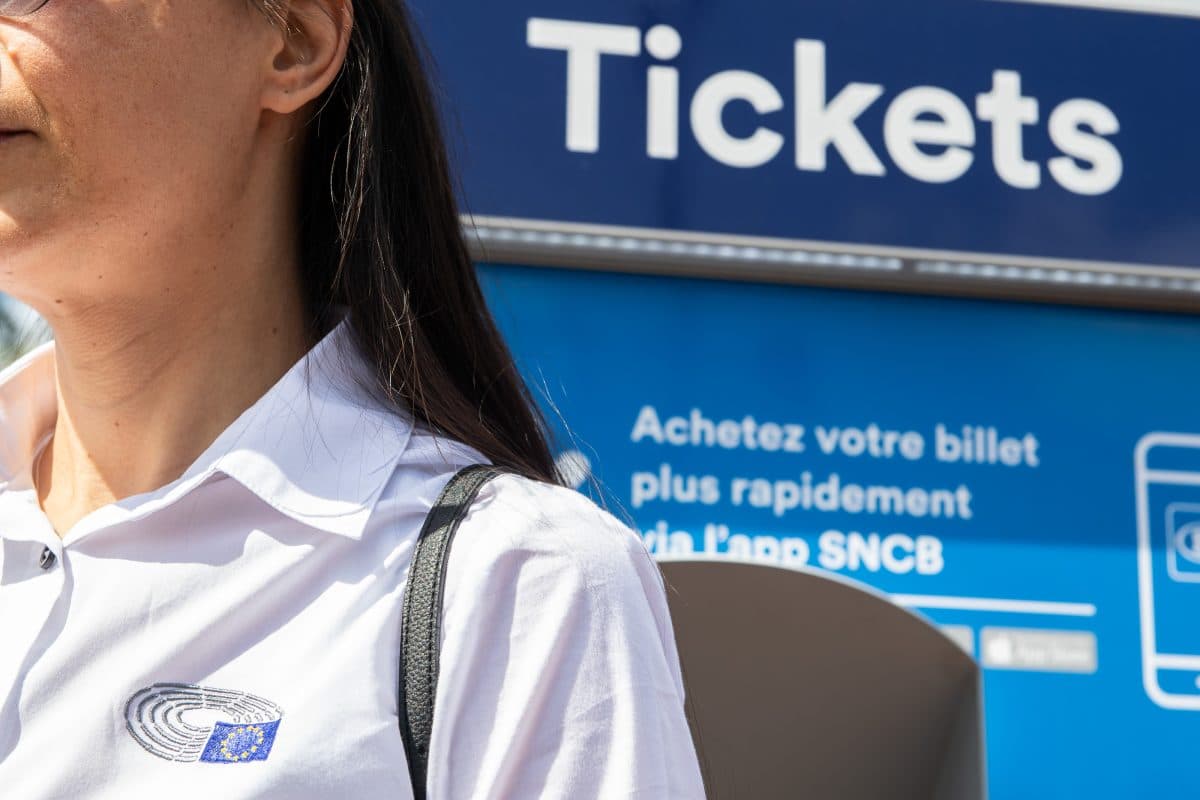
[[506, 107], [1089, 383]]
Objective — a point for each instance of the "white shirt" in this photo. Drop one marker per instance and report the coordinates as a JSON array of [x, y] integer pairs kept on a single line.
[[264, 586]]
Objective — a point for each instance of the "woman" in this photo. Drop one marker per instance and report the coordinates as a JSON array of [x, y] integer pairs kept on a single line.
[[270, 356]]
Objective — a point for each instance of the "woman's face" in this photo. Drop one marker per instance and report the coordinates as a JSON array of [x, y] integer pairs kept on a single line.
[[142, 123]]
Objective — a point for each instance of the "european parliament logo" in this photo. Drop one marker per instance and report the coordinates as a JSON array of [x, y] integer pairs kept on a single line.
[[155, 718]]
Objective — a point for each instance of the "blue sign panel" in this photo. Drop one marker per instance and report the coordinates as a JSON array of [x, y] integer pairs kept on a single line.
[[942, 127], [1026, 476]]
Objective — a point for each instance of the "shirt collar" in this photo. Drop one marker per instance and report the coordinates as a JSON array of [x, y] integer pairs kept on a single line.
[[318, 446]]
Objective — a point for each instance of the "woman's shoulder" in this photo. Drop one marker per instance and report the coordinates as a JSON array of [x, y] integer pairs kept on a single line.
[[557, 652], [519, 527], [514, 511], [523, 518]]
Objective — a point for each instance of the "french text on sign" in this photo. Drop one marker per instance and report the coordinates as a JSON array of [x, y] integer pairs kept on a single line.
[[833, 550], [834, 495], [697, 430], [984, 445]]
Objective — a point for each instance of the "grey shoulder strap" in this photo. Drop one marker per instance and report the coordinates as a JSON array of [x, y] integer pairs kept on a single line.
[[420, 633]]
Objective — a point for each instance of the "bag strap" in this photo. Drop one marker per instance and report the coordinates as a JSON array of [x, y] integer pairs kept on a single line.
[[420, 635]]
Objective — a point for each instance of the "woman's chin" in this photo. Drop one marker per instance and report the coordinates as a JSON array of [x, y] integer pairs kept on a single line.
[[24, 261]]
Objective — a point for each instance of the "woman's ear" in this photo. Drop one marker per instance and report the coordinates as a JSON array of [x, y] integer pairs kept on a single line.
[[310, 48]]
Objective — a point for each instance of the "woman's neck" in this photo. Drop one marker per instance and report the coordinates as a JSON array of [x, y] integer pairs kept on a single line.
[[141, 395], [164, 337]]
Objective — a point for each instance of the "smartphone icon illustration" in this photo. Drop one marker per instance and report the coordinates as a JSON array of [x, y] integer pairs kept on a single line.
[[1167, 477]]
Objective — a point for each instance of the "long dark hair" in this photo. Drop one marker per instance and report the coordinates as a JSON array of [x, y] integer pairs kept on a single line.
[[382, 236]]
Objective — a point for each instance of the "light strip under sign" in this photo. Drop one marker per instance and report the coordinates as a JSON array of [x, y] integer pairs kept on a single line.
[[663, 251], [691, 248], [1178, 8]]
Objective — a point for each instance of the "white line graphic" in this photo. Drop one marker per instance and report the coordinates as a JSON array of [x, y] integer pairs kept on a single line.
[[910, 601], [1172, 476], [1172, 661], [1051, 608]]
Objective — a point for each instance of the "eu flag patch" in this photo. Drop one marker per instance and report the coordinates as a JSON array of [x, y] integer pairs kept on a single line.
[[247, 742], [157, 719]]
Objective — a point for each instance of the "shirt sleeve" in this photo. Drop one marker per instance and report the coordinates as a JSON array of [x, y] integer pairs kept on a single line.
[[559, 675]]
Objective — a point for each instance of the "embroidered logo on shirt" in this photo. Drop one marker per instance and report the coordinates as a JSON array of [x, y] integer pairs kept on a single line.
[[156, 718]]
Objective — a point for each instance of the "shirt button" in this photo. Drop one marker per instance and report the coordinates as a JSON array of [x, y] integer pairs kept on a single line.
[[47, 559]]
